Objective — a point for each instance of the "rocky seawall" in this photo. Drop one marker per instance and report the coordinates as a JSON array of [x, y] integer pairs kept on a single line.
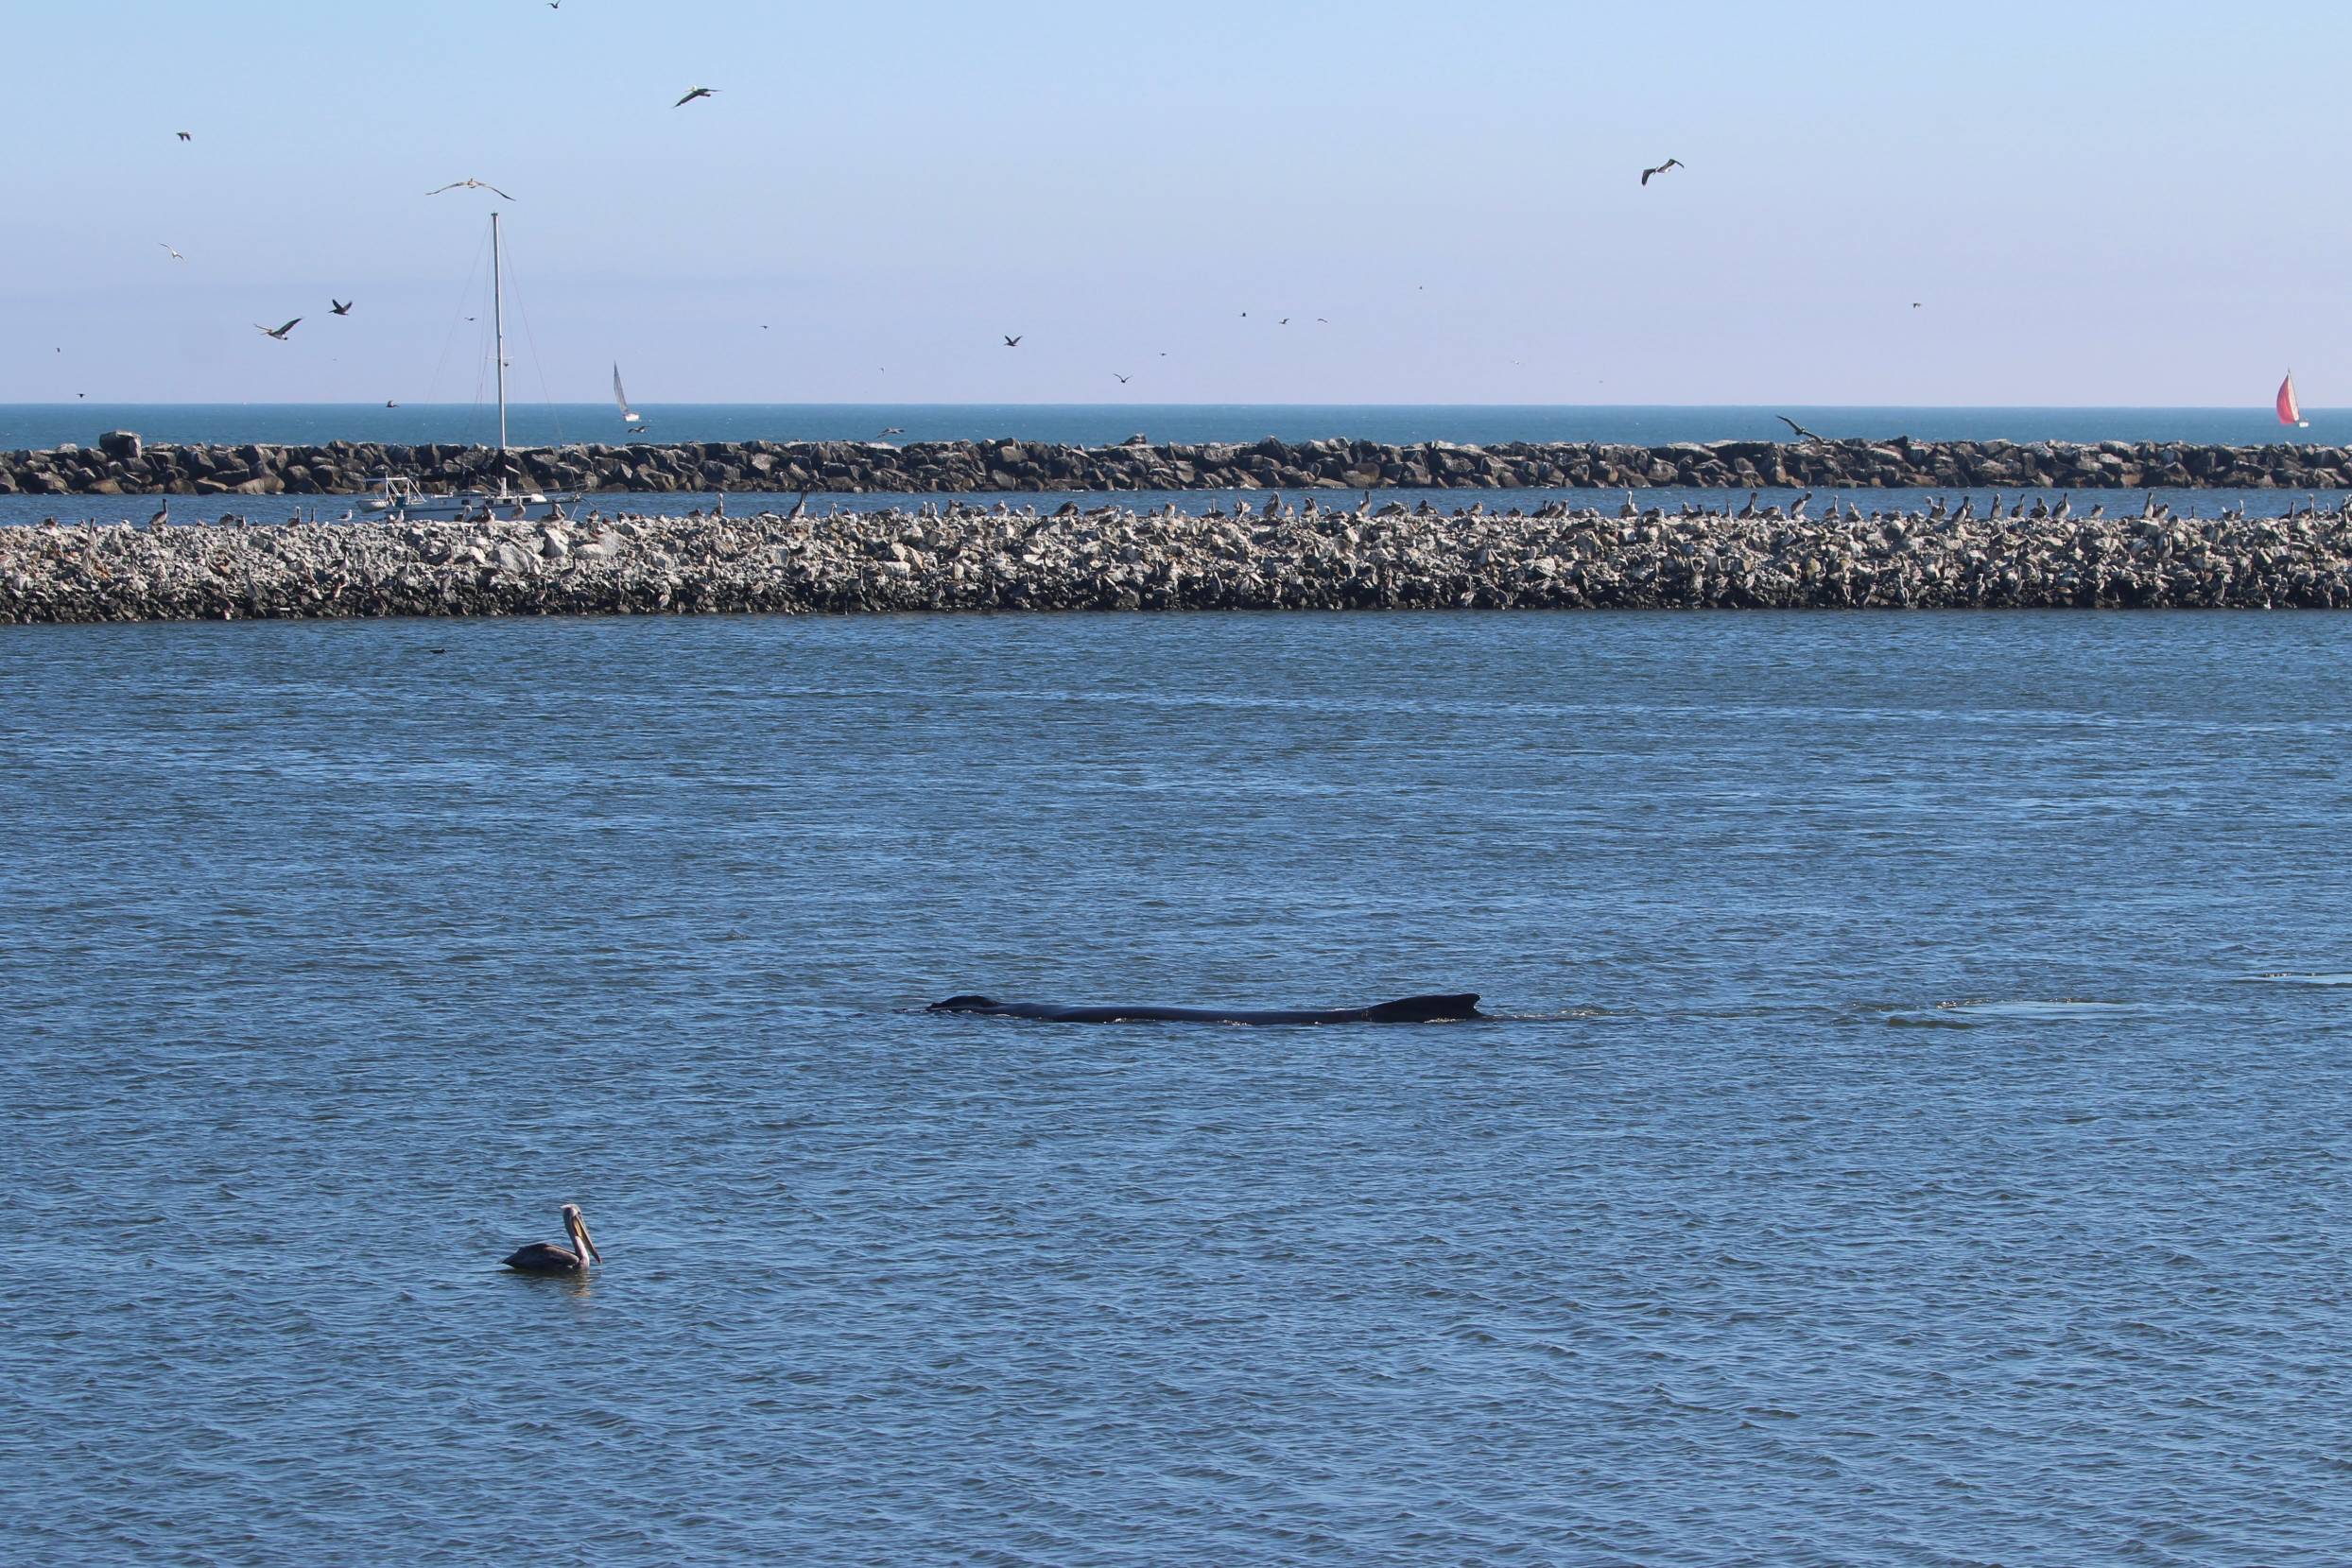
[[122, 464], [1280, 555]]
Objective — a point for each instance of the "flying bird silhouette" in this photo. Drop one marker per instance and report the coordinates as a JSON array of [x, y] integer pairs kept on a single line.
[[1123, 380], [278, 332], [692, 94], [470, 186], [342, 307], [174, 255], [1669, 164], [1793, 424], [1014, 342], [184, 136]]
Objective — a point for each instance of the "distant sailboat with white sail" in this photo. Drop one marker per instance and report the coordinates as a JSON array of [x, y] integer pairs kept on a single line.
[[2290, 411], [629, 415]]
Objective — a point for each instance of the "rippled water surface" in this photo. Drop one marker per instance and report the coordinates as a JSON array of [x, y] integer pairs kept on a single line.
[[1915, 1132]]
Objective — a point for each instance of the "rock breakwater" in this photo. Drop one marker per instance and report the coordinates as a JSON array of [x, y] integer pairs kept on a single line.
[[1279, 554], [122, 464]]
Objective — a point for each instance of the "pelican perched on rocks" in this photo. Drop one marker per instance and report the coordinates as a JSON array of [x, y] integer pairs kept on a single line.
[[545, 1257]]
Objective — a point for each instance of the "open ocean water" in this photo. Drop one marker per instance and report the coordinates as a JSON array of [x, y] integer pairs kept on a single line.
[[37, 426], [1914, 1133]]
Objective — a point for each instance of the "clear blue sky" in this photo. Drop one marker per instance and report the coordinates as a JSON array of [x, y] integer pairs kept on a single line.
[[2094, 202]]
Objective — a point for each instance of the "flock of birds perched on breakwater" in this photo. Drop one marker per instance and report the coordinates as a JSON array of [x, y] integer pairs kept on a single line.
[[1267, 553]]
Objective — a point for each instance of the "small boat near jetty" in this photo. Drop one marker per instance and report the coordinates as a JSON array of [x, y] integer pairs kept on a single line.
[[400, 496]]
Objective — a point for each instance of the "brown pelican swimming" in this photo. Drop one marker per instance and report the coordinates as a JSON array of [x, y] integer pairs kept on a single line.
[[545, 1257]]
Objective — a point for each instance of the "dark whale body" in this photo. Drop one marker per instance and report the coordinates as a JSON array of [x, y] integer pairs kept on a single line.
[[1410, 1009]]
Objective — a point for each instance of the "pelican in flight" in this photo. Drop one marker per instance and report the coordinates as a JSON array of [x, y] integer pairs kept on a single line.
[[184, 136], [342, 307], [1014, 342], [278, 332], [692, 94], [1669, 164], [167, 244], [469, 185], [545, 1257]]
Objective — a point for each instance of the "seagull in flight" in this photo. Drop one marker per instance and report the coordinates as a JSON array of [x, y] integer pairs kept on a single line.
[[1669, 164], [1809, 435], [342, 307], [174, 255], [692, 94], [278, 332], [1014, 342], [894, 430], [1123, 380], [470, 186]]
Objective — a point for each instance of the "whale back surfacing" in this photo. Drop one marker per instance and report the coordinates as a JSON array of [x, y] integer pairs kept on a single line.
[[1406, 1009]]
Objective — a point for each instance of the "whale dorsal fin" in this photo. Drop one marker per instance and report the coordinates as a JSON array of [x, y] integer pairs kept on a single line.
[[1413, 1009]]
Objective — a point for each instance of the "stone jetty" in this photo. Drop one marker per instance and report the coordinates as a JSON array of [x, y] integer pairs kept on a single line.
[[122, 464], [1273, 552]]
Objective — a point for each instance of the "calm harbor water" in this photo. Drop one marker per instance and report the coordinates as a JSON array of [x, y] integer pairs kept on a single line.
[[1914, 1133], [33, 511], [35, 426]]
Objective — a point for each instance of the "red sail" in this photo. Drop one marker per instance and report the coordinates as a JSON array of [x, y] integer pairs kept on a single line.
[[2289, 412]]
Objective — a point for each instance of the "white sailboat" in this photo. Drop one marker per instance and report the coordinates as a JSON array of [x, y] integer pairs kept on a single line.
[[401, 495], [629, 415]]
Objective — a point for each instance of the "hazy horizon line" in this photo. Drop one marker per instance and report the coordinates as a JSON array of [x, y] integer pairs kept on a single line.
[[1035, 403]]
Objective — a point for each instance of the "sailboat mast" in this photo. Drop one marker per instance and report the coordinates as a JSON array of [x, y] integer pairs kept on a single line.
[[498, 331]]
